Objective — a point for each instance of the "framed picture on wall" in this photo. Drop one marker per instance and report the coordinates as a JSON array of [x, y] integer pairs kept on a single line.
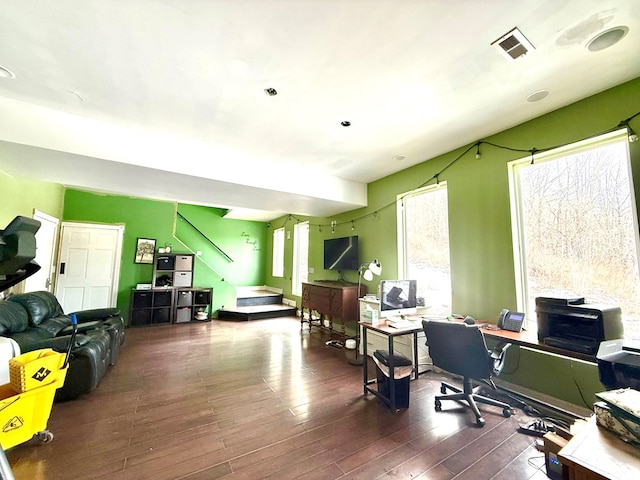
[[145, 248]]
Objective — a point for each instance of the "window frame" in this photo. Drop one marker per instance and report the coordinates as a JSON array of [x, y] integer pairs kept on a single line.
[[403, 266], [516, 207], [277, 266], [297, 275]]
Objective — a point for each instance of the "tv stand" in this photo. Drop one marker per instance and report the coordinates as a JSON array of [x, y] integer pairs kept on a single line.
[[335, 304]]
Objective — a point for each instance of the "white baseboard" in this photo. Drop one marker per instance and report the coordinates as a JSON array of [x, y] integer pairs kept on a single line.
[[288, 301]]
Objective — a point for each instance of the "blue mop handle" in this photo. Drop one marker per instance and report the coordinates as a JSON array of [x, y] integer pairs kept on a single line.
[[74, 324]]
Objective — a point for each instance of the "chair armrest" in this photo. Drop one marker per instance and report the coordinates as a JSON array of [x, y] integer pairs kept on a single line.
[[96, 314], [498, 354]]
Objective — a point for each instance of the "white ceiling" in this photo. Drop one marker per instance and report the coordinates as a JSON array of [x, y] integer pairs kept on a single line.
[[165, 98]]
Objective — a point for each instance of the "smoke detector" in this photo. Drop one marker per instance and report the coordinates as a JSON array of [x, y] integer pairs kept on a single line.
[[513, 45]]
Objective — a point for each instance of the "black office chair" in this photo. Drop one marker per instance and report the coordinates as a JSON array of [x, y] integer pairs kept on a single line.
[[460, 349]]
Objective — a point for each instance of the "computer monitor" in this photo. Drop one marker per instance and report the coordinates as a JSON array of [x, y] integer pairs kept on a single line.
[[398, 297]]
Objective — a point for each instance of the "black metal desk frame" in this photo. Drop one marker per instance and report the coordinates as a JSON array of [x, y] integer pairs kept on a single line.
[[391, 333]]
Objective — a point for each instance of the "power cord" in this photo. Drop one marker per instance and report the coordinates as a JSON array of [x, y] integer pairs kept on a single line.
[[573, 377], [530, 461]]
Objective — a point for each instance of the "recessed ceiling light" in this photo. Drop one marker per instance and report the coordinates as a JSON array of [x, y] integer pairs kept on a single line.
[[345, 123], [607, 38], [536, 96], [6, 73], [398, 158]]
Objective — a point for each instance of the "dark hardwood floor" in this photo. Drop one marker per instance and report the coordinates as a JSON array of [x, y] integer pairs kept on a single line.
[[262, 399]]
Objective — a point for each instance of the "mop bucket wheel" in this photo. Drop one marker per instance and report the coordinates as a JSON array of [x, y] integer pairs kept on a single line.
[[44, 436]]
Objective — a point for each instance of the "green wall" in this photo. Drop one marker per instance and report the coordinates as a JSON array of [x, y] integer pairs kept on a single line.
[[480, 229], [156, 219], [482, 264], [21, 196]]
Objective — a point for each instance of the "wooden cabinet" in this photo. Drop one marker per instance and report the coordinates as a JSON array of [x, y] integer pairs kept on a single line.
[[329, 303]]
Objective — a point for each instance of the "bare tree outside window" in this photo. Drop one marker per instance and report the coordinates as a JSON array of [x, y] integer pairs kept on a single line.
[[578, 223], [426, 246]]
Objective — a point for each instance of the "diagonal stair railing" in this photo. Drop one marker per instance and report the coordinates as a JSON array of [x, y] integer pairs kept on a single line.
[[222, 252]]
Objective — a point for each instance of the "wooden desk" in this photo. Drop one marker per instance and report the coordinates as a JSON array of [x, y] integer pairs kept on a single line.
[[594, 453], [529, 339], [390, 333]]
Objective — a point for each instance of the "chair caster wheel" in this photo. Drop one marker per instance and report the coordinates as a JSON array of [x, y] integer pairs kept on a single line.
[[443, 389], [438, 405], [480, 422], [506, 412]]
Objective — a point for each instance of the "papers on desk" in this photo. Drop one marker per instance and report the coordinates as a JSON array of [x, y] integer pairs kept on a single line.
[[402, 323]]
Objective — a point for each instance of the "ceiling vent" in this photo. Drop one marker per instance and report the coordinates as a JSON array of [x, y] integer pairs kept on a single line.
[[513, 45]]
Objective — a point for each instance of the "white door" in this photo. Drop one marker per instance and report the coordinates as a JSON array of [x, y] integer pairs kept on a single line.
[[88, 266], [46, 243]]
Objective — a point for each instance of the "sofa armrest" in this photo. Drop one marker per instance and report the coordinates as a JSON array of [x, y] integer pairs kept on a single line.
[[96, 314], [58, 344]]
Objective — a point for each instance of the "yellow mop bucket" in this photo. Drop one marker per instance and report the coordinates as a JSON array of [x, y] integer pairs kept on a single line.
[[26, 401]]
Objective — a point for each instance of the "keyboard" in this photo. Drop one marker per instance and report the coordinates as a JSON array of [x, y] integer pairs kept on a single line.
[[401, 323]]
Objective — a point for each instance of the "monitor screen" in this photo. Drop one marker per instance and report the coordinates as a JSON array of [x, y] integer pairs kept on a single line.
[[398, 297], [341, 253]]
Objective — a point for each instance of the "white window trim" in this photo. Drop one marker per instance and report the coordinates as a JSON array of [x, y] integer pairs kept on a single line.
[[517, 233], [297, 277], [278, 253], [402, 241]]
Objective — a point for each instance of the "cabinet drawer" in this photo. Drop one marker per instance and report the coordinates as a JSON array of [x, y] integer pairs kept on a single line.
[[183, 315], [162, 299], [142, 299], [184, 298], [202, 298], [140, 317], [161, 315], [182, 279], [184, 262], [165, 262]]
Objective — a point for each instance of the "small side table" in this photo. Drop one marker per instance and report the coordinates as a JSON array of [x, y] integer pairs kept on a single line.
[[391, 333]]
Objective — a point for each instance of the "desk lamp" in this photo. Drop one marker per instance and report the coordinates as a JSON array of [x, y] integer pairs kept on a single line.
[[366, 270]]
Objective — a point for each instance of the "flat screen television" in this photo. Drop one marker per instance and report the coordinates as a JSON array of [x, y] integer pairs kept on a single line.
[[398, 297], [341, 253]]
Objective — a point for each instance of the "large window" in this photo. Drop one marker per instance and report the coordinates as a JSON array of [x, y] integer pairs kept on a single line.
[[423, 241], [277, 268], [575, 227], [300, 257]]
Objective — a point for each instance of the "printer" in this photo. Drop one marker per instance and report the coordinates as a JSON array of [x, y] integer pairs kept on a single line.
[[619, 365], [572, 324]]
